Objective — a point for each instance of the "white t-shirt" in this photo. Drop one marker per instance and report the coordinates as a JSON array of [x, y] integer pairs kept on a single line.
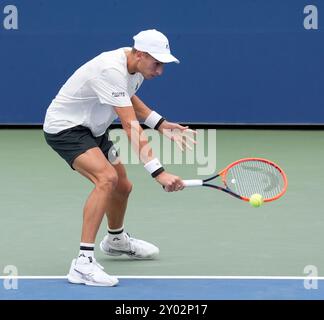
[[89, 96]]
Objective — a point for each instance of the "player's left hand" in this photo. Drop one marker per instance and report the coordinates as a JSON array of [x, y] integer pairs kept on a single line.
[[182, 136]]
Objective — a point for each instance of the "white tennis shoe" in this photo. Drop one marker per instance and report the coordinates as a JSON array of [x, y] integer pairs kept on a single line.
[[133, 248], [86, 270]]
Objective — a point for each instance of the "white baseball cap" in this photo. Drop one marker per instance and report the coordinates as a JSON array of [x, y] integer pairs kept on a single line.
[[156, 44]]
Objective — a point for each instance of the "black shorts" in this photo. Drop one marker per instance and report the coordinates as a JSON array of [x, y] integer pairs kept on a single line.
[[72, 142]]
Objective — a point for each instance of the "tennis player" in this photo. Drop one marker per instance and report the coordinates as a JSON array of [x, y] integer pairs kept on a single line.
[[76, 127]]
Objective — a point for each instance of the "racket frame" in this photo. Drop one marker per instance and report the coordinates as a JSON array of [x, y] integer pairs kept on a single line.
[[223, 174]]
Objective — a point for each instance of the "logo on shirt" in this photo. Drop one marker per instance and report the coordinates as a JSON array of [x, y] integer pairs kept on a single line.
[[118, 94]]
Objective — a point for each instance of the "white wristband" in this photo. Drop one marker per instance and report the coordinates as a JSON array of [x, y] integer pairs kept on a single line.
[[153, 165], [153, 119]]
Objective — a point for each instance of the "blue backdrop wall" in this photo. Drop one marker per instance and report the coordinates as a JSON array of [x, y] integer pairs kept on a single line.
[[242, 61]]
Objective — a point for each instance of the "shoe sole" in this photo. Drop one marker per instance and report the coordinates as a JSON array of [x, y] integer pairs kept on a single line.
[[117, 253], [73, 280]]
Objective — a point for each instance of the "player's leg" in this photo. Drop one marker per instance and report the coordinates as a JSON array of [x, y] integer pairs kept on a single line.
[[79, 148], [117, 241], [93, 165], [117, 204]]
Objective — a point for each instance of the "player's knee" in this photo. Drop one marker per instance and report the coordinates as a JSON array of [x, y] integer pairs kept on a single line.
[[128, 187], [107, 181], [124, 187]]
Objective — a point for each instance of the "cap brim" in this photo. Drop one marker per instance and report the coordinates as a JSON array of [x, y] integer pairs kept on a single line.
[[164, 57]]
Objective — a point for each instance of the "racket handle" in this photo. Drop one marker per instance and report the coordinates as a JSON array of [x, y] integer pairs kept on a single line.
[[193, 183]]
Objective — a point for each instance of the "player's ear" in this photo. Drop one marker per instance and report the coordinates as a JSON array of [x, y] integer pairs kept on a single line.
[[138, 54], [144, 55]]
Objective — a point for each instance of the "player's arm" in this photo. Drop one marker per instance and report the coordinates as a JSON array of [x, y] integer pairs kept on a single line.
[[111, 89], [141, 146], [141, 109], [182, 136]]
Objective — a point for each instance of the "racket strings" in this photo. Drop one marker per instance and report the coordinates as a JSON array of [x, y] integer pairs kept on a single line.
[[250, 177]]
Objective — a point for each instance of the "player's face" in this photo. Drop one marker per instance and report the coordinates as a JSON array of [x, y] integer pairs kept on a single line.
[[150, 67]]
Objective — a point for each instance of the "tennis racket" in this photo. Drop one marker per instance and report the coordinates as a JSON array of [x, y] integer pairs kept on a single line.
[[245, 177]]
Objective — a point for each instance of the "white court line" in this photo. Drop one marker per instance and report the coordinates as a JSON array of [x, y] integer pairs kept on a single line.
[[177, 277]]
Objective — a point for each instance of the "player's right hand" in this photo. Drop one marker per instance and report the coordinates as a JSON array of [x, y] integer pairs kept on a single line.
[[169, 182]]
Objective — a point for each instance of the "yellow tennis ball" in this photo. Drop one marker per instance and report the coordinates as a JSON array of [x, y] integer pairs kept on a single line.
[[256, 200]]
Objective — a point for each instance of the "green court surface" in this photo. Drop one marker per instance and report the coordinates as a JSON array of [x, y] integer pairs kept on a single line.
[[200, 232]]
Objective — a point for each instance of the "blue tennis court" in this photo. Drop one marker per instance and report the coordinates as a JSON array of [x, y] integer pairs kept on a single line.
[[155, 288]]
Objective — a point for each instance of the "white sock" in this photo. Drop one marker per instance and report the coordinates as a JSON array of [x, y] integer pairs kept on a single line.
[[117, 236], [86, 250]]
